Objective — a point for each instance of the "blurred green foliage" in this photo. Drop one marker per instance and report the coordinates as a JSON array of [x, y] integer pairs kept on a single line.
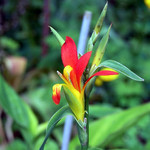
[[21, 35]]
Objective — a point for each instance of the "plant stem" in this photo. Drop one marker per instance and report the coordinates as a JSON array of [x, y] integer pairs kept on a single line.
[[87, 118], [85, 147], [86, 98]]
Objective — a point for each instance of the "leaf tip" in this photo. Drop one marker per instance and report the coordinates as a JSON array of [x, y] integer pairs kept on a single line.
[[106, 3], [51, 28]]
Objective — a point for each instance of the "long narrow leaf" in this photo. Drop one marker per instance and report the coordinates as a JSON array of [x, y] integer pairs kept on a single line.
[[107, 129], [100, 50], [64, 111], [97, 29], [112, 126], [121, 69], [12, 104]]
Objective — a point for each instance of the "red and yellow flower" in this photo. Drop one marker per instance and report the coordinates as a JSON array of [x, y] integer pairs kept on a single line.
[[72, 76]]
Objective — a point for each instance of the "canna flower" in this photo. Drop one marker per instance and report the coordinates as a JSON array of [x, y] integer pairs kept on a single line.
[[72, 76]]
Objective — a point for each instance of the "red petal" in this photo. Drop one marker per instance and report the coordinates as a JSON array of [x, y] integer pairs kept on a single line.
[[101, 73], [73, 78], [69, 53], [81, 65], [56, 99]]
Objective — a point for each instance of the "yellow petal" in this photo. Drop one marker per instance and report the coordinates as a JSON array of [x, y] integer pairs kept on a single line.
[[147, 3], [110, 77], [66, 72]]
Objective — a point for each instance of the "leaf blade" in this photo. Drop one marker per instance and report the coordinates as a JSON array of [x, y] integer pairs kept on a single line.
[[100, 50], [97, 29], [57, 35], [112, 126], [62, 112], [121, 69], [12, 104]]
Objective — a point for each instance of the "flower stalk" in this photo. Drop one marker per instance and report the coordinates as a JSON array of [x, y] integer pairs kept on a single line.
[[87, 118]]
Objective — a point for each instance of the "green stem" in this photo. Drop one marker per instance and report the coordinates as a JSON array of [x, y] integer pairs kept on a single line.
[[87, 117], [86, 145], [84, 132]]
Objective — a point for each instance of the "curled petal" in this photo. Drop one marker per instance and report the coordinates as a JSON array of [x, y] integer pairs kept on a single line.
[[69, 53], [108, 78], [101, 73], [56, 93]]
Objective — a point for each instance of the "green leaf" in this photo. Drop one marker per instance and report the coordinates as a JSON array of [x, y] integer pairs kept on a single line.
[[100, 50], [98, 111], [97, 29], [33, 121], [51, 144], [16, 145], [95, 149], [16, 107], [9, 43], [58, 37], [121, 69], [99, 23], [64, 111], [12, 104], [112, 126]]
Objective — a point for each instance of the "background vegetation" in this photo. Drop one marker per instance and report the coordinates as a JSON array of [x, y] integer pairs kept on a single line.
[[23, 33]]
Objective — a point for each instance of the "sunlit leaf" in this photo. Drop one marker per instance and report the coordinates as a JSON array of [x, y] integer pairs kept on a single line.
[[112, 126], [107, 129]]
